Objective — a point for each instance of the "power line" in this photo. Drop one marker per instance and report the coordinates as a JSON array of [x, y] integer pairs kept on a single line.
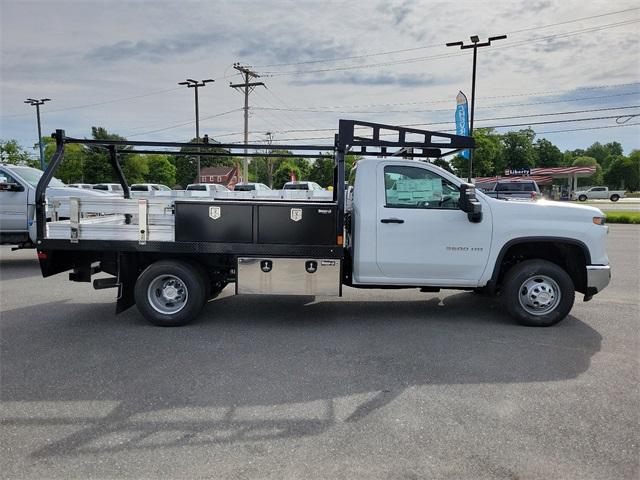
[[170, 127], [479, 120], [486, 127], [114, 100], [74, 107], [441, 56], [436, 45], [588, 128], [448, 100], [439, 110]]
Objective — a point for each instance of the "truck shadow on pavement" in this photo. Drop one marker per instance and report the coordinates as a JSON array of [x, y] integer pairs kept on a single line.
[[258, 368]]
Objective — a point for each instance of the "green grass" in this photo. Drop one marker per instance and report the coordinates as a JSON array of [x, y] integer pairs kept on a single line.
[[622, 216]]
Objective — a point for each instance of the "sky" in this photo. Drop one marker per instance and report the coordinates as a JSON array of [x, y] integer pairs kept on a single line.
[[116, 64]]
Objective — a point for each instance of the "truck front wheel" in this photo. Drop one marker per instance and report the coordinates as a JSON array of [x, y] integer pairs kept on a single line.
[[582, 198], [615, 197], [538, 293], [170, 293]]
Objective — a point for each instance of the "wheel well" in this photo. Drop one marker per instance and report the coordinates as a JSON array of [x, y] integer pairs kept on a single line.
[[569, 256]]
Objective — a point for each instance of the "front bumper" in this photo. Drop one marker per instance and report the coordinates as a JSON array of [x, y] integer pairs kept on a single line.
[[598, 277]]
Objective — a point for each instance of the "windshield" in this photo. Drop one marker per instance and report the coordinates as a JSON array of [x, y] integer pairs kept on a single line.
[[244, 188], [32, 176], [296, 186], [515, 187]]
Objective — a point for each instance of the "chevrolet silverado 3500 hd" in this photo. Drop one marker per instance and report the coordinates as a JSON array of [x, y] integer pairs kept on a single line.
[[400, 223]]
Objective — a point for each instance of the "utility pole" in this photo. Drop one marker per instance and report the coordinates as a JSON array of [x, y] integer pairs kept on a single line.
[[191, 83], [36, 103], [247, 87], [475, 44]]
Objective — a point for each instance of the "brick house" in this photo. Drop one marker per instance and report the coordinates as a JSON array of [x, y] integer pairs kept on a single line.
[[227, 176]]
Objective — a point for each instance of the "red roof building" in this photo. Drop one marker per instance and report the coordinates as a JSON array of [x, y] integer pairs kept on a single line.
[[546, 176], [227, 176]]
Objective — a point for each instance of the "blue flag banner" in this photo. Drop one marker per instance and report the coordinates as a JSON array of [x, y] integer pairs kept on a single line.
[[462, 119]]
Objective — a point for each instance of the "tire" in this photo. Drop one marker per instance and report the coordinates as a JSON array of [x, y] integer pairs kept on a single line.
[[538, 293], [615, 197], [170, 293], [582, 198]]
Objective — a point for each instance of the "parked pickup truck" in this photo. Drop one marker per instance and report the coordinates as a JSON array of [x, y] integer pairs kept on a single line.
[[17, 202], [598, 193], [405, 224], [511, 189]]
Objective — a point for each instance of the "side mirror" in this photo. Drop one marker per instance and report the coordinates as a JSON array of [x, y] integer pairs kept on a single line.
[[10, 187], [469, 203]]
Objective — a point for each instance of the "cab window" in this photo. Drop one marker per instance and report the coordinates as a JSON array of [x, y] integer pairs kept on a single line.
[[413, 187]]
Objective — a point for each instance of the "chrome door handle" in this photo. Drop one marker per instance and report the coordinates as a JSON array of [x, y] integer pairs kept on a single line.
[[392, 220]]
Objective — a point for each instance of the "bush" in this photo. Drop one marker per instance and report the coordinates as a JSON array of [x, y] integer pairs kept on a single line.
[[622, 217]]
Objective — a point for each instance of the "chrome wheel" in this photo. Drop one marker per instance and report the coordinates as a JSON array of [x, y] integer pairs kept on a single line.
[[167, 294], [539, 295]]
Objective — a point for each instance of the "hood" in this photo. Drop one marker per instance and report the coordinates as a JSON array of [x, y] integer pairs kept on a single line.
[[546, 209]]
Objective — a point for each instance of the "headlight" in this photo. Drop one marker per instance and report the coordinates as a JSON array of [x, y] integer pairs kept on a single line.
[[599, 220]]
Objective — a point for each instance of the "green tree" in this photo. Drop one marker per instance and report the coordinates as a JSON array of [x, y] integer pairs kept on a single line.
[[96, 166], [12, 152], [624, 172], [187, 165], [134, 167], [161, 170], [322, 169], [596, 178], [604, 154], [70, 169], [547, 154], [518, 151], [300, 167], [487, 156], [442, 163]]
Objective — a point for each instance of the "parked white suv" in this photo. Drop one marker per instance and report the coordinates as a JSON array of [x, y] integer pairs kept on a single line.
[[149, 187], [113, 188], [207, 187], [250, 187], [302, 185]]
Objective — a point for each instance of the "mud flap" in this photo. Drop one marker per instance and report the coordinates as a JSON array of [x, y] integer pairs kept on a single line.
[[127, 276]]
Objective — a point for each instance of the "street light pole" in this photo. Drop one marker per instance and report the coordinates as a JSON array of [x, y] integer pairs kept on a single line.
[[191, 83], [475, 44], [36, 103]]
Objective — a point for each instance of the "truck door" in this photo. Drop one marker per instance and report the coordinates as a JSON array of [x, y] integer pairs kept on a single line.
[[423, 238], [13, 205]]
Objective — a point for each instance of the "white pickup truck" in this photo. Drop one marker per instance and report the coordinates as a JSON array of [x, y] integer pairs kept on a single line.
[[598, 193], [398, 224], [17, 202]]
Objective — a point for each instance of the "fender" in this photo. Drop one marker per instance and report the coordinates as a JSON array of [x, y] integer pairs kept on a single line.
[[491, 284]]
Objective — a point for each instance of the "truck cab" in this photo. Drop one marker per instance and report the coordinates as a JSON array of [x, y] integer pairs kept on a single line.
[[408, 228]]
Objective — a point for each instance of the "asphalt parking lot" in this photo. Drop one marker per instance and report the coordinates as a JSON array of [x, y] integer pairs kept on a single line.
[[378, 384]]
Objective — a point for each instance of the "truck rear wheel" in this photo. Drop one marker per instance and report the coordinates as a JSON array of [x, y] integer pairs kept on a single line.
[[170, 293], [615, 197], [582, 198], [538, 293]]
